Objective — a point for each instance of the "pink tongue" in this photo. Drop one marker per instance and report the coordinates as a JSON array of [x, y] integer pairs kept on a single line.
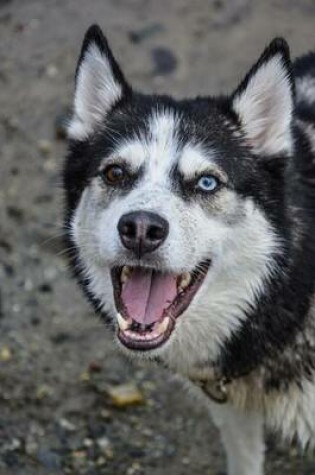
[[146, 294]]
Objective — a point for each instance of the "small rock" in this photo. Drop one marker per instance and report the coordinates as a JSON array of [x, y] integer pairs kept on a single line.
[[50, 273], [147, 432], [43, 392], [44, 146], [79, 454], [10, 459], [95, 367], [106, 415], [134, 469], [60, 337], [78, 459], [14, 444], [11, 124], [50, 165], [28, 285], [73, 443], [164, 60], [9, 270], [105, 447], [149, 385], [49, 459], [45, 287], [145, 33], [15, 213], [67, 425], [85, 377], [229, 12], [35, 320], [136, 452], [125, 395], [4, 244], [5, 354], [31, 446], [100, 462], [51, 71], [87, 442]]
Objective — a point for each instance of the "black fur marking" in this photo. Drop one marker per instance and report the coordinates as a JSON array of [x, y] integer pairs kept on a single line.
[[304, 66]]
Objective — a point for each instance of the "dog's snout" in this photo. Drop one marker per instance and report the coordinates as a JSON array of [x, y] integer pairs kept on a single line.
[[142, 231]]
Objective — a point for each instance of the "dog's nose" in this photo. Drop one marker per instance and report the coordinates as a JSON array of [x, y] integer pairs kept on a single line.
[[142, 231]]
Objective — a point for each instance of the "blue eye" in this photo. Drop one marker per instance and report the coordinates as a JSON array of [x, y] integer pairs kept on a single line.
[[207, 183]]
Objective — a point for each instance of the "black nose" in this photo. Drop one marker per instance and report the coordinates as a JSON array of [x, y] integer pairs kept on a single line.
[[142, 231]]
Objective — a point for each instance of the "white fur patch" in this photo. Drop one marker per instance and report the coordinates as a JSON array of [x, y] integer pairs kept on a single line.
[[194, 161], [243, 439], [96, 92], [293, 413], [305, 89], [265, 108], [162, 146]]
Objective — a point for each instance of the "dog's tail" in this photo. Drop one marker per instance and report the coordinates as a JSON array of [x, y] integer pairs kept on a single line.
[[304, 72]]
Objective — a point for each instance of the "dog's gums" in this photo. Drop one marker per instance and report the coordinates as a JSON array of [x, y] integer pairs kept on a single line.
[[148, 303]]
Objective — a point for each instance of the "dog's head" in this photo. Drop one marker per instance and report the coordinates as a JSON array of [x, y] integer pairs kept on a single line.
[[175, 207]]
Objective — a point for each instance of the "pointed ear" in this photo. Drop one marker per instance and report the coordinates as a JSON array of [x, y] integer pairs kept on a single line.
[[100, 85], [264, 101]]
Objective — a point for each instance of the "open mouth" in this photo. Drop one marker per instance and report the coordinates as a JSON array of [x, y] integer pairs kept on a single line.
[[149, 301]]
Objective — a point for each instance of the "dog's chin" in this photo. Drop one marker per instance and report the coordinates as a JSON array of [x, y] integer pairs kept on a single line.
[[149, 303]]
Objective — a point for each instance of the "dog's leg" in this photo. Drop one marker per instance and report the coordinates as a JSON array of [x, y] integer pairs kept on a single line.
[[243, 439]]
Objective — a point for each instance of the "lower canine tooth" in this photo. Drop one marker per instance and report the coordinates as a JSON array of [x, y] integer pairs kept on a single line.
[[123, 324], [185, 280], [125, 274], [162, 327]]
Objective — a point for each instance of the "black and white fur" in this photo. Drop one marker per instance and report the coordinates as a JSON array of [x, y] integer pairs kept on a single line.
[[252, 322]]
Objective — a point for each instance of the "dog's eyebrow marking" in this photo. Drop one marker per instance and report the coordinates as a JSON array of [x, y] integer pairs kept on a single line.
[[156, 149], [133, 152], [194, 161]]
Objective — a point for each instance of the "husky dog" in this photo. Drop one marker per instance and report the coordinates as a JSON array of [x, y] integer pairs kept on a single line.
[[193, 229]]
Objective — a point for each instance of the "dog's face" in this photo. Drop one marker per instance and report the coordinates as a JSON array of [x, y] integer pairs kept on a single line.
[[174, 206]]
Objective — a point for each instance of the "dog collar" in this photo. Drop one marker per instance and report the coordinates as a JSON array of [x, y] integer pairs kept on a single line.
[[216, 389]]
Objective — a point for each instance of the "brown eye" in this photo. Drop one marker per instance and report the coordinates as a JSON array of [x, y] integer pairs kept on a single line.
[[114, 174]]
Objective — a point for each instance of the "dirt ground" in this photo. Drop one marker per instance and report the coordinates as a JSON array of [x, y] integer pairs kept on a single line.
[[57, 362]]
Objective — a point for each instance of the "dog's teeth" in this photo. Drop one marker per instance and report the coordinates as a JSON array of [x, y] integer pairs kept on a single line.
[[184, 280], [162, 327], [125, 274], [123, 324]]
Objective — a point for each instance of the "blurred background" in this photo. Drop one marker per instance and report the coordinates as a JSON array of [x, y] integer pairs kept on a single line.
[[69, 404]]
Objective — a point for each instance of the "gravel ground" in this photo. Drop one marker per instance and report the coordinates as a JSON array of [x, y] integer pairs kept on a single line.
[[58, 367]]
